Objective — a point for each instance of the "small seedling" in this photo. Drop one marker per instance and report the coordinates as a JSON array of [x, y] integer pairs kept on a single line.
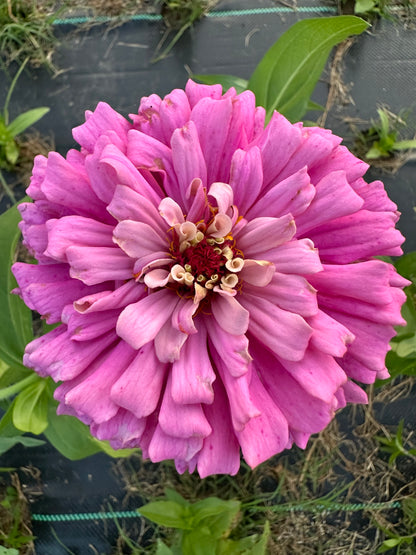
[[13, 535], [394, 445], [402, 543]]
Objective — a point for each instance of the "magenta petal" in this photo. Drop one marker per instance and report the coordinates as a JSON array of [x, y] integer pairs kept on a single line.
[[192, 373], [140, 322], [139, 387], [196, 92], [126, 294], [233, 349], [295, 257], [168, 343], [182, 317], [329, 336], [354, 393], [266, 434], [163, 446], [220, 453], [123, 430]]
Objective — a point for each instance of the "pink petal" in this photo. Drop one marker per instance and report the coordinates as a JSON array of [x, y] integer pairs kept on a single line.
[[93, 265], [174, 112], [295, 257], [289, 292], [169, 342], [192, 373], [212, 120], [127, 293], [284, 333], [126, 204], [246, 177], [48, 288], [354, 393], [55, 355], [341, 159], [196, 92], [358, 236], [329, 336], [318, 374], [90, 396], [140, 322], [187, 156], [34, 190], [292, 195], [257, 272], [170, 211], [123, 430], [76, 230], [223, 195], [138, 239], [182, 317], [230, 315], [233, 349], [84, 327], [265, 435], [326, 204], [182, 421], [156, 278], [280, 132], [139, 387], [262, 234], [163, 447], [220, 453], [358, 370], [374, 195], [103, 118]]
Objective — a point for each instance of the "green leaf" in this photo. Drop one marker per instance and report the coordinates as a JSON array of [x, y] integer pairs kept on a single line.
[[227, 81], [115, 453], [30, 412], [15, 317], [196, 542], [286, 76], [212, 507], [69, 436], [12, 152], [364, 6], [162, 548], [25, 120], [173, 495], [8, 551], [167, 513], [314, 106], [388, 544], [404, 145], [8, 442]]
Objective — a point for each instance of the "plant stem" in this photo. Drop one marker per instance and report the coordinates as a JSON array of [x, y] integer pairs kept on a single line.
[[10, 91], [9, 192], [16, 387]]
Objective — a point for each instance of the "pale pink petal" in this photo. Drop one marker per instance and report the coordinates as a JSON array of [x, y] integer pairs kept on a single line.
[[123, 430], [223, 195], [84, 327], [230, 315], [140, 322], [182, 317], [156, 278], [187, 157], [163, 446], [170, 211], [295, 257], [168, 343], [139, 387], [286, 334], [127, 293], [138, 239], [257, 272]]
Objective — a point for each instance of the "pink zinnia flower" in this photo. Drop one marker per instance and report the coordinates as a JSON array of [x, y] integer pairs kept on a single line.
[[214, 278]]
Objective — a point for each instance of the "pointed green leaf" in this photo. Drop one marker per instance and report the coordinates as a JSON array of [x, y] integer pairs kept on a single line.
[[15, 317], [25, 120], [173, 495], [166, 513], [404, 145], [7, 443], [286, 76], [12, 152], [227, 81], [162, 548]]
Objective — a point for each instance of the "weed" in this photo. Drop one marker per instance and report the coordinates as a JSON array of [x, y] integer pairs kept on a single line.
[[26, 31], [14, 532], [394, 445]]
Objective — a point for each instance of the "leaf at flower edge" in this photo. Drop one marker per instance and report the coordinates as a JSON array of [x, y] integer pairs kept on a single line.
[[286, 76], [227, 81], [166, 513], [15, 317]]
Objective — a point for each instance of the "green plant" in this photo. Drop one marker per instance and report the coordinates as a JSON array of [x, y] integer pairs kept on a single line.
[[286, 77], [394, 445], [203, 527], [401, 543], [383, 136], [13, 536]]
